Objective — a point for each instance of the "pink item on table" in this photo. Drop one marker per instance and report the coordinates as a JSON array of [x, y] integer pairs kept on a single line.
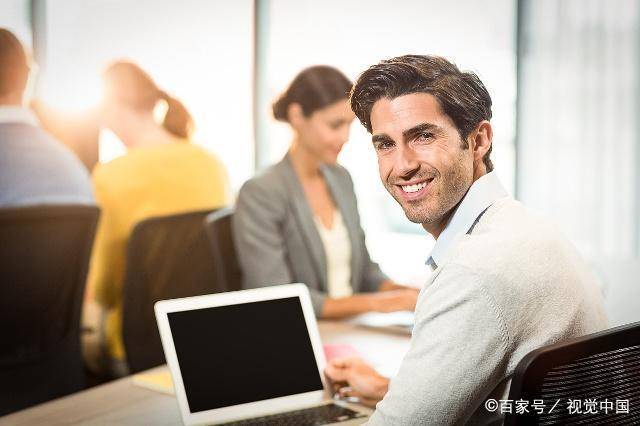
[[339, 350]]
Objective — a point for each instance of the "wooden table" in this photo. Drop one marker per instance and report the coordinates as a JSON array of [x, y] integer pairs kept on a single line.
[[122, 402]]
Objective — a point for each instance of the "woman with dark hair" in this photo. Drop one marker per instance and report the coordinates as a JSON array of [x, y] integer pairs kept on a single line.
[[161, 174], [298, 220]]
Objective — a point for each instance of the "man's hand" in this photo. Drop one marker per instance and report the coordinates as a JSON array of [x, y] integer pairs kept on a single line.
[[394, 300], [354, 377]]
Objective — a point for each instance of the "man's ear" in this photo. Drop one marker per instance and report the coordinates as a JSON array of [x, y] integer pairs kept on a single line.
[[295, 115], [481, 140]]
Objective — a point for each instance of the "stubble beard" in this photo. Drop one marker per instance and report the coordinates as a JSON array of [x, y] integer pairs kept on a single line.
[[444, 195]]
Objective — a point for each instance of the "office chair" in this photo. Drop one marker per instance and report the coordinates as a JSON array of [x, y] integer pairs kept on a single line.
[[167, 257], [603, 366], [225, 260], [44, 257]]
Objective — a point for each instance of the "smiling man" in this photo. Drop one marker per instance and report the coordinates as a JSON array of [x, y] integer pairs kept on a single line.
[[504, 282]]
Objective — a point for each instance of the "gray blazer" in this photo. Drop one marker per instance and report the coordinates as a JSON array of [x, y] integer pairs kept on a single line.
[[277, 240]]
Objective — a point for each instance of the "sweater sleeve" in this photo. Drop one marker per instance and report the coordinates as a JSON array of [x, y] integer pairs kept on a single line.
[[458, 353]]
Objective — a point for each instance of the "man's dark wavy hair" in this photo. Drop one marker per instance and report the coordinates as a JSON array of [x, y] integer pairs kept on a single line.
[[461, 95]]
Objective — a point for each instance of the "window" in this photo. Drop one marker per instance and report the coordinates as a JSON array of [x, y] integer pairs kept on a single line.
[[578, 144]]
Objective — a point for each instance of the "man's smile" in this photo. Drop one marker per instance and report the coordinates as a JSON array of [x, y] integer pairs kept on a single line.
[[414, 189]]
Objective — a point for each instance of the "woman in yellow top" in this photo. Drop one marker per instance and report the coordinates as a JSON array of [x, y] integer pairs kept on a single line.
[[162, 173]]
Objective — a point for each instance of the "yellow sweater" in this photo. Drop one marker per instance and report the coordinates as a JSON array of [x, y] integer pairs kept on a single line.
[[147, 182]]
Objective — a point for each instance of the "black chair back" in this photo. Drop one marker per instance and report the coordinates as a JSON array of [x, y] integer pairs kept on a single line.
[[601, 370], [225, 259], [44, 257], [167, 257]]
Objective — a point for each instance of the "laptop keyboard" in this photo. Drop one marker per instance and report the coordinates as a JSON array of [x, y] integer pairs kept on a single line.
[[321, 415]]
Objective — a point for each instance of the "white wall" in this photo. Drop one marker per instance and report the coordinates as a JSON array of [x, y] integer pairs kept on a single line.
[[15, 16]]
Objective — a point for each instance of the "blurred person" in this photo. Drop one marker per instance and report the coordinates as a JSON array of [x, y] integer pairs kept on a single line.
[[162, 173], [35, 168], [298, 221], [505, 281]]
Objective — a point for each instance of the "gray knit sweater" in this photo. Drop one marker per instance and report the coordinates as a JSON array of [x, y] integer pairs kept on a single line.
[[513, 284]]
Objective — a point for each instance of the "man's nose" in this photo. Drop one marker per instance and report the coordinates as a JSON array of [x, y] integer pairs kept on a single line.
[[406, 162]]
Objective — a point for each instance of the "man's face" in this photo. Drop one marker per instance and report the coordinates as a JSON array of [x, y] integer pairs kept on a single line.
[[421, 157]]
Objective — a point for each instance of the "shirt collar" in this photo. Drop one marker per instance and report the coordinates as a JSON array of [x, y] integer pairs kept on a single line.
[[482, 193], [17, 114]]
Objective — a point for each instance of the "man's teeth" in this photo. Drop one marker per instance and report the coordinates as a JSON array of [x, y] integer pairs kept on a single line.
[[414, 188]]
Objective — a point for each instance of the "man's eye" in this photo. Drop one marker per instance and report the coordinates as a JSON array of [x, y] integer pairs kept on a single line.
[[424, 136], [381, 146]]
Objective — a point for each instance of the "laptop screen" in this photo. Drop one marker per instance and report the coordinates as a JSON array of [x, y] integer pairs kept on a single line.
[[242, 353]]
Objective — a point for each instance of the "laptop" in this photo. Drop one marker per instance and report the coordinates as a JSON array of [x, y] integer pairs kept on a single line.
[[250, 357]]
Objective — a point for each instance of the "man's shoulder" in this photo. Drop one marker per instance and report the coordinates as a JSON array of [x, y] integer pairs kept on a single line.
[[512, 212], [23, 135], [33, 143], [518, 251], [529, 267], [36, 168], [509, 229]]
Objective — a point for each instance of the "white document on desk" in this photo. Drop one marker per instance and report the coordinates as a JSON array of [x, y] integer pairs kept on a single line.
[[397, 322]]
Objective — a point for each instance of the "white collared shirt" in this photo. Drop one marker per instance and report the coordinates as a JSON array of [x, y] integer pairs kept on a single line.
[[17, 114], [482, 194]]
